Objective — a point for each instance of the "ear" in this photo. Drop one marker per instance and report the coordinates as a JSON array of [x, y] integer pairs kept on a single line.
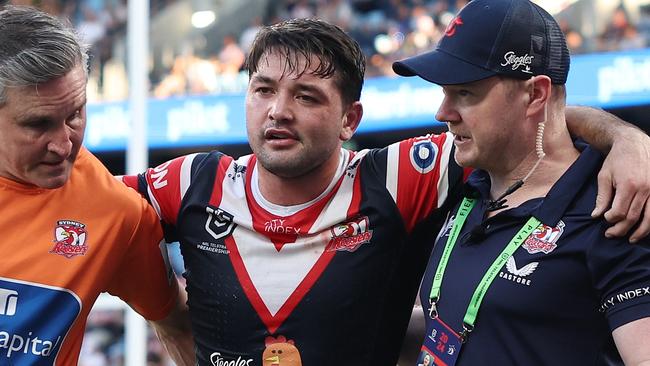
[[351, 120], [539, 93]]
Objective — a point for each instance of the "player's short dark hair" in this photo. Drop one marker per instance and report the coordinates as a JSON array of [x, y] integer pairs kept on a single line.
[[339, 55]]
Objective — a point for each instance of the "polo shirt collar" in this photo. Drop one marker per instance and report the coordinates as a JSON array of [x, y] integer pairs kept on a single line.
[[550, 209]]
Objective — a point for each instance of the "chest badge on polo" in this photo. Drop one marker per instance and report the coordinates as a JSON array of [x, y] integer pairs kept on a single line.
[[280, 352], [69, 238], [544, 239]]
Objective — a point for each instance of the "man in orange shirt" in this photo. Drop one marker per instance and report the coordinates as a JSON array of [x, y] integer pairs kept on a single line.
[[70, 230]]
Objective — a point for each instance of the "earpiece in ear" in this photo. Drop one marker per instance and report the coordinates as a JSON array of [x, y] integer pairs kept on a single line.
[[539, 143]]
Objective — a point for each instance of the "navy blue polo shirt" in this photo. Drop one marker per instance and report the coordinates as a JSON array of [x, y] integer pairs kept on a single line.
[[560, 295]]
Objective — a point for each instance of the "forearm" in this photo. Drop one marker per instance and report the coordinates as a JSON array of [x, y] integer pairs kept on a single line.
[[175, 333], [597, 127], [179, 345], [633, 342]]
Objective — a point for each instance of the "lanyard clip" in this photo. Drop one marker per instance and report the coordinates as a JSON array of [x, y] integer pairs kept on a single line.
[[433, 310], [467, 329]]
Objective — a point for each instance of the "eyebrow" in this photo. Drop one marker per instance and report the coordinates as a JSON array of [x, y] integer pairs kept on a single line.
[[300, 86], [27, 119], [262, 79], [312, 89], [33, 119], [309, 88]]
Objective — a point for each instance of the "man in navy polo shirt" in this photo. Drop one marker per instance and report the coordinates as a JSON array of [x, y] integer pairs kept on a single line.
[[521, 274]]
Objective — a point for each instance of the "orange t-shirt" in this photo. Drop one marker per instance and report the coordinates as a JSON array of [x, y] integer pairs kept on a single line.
[[61, 248]]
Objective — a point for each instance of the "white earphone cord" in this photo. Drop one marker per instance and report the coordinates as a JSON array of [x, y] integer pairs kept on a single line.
[[499, 202]]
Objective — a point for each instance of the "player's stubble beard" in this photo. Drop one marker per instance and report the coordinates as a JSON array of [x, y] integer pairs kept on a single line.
[[293, 165]]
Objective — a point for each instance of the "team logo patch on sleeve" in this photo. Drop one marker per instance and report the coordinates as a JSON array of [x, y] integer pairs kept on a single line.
[[69, 238], [423, 156]]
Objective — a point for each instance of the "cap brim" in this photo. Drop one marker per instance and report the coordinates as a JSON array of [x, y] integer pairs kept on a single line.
[[441, 68]]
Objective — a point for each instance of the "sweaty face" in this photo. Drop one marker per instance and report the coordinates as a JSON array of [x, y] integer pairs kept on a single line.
[[294, 121], [41, 130]]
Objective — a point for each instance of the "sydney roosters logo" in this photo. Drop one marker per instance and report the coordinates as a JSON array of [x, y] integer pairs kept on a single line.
[[544, 239], [451, 28], [69, 238], [350, 235]]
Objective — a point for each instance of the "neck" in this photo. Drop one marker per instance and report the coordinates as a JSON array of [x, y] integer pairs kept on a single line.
[[560, 154], [540, 179], [290, 191]]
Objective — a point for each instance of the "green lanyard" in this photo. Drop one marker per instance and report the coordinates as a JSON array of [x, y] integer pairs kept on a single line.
[[489, 276]]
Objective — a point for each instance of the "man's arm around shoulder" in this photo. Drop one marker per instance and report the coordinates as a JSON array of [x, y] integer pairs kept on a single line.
[[623, 183]]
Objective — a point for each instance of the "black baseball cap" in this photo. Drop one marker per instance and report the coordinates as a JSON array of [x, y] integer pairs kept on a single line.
[[513, 38]]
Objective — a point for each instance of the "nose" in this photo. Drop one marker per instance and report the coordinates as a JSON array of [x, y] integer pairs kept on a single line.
[[447, 112], [281, 108], [60, 141]]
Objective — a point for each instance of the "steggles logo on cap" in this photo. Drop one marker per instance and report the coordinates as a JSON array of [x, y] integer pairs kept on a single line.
[[517, 61], [451, 27]]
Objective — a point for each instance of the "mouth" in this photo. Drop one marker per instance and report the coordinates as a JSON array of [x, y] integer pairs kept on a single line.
[[54, 167], [280, 138], [460, 138], [53, 163], [279, 134]]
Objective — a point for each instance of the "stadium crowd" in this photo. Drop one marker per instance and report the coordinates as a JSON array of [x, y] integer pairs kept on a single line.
[[387, 30]]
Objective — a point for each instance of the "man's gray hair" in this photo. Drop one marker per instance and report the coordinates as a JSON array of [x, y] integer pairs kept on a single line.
[[36, 47]]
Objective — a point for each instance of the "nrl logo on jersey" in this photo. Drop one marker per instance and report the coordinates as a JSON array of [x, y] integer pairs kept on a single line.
[[544, 239], [69, 239], [349, 236], [220, 223]]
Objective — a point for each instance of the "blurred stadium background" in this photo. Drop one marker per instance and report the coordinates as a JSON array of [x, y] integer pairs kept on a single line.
[[195, 83]]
